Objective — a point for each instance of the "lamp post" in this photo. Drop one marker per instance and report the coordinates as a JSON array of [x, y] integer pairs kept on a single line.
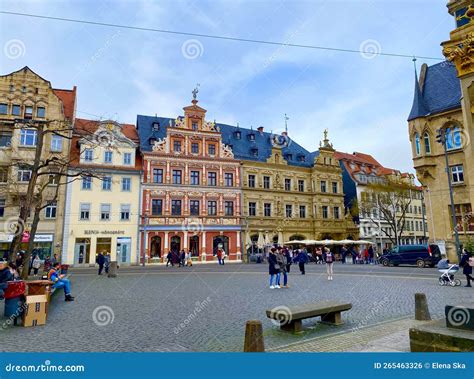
[[441, 138]]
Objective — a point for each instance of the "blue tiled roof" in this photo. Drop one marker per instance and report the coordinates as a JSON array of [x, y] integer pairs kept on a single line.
[[441, 91], [258, 150]]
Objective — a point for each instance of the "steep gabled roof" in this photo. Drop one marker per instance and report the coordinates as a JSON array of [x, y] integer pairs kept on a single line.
[[68, 97], [439, 91]]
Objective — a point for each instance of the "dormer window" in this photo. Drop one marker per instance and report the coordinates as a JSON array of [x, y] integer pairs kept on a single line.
[[254, 152], [301, 158], [252, 137], [194, 126], [155, 126], [289, 157], [152, 141], [238, 135]]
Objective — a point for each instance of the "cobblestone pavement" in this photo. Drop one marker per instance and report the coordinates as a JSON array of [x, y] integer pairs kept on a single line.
[[204, 308]]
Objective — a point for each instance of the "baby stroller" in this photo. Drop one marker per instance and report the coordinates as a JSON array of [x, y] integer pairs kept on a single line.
[[447, 274]]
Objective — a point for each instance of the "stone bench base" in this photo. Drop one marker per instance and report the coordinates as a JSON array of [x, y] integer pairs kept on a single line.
[[436, 337]]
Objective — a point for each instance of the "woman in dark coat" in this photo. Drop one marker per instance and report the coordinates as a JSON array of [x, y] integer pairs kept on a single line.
[[466, 268], [273, 268]]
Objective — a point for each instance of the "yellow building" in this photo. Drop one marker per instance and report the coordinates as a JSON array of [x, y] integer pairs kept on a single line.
[[102, 212], [26, 99], [288, 192], [444, 100]]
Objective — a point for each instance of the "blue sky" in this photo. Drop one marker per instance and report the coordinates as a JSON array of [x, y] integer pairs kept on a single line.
[[121, 73]]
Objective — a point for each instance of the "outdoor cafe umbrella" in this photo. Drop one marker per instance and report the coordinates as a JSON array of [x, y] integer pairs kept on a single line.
[[260, 241], [280, 238], [248, 240], [267, 240], [363, 242]]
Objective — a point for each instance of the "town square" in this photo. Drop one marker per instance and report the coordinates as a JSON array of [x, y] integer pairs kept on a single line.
[[236, 177]]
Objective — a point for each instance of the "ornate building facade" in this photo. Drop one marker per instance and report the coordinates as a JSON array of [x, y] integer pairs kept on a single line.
[[191, 188], [444, 99], [359, 172], [26, 99], [102, 210]]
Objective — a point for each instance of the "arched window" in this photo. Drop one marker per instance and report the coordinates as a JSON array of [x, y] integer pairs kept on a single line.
[[417, 144], [453, 138], [426, 140]]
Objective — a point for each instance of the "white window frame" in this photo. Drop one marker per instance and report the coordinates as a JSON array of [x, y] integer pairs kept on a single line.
[[26, 134], [85, 207], [129, 189]]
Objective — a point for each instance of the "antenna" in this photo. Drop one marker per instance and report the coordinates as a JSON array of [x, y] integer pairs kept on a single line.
[[286, 123]]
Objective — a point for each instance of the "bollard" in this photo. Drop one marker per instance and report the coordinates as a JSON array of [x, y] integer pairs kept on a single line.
[[253, 337], [112, 270], [422, 313]]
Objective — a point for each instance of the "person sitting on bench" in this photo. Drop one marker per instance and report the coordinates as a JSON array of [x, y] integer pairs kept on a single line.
[[59, 281], [5, 277]]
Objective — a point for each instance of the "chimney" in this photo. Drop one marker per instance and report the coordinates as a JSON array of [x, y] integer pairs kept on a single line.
[[260, 129]]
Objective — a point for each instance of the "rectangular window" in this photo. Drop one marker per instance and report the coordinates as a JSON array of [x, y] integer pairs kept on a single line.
[[56, 143], [267, 209], [28, 137], [107, 183], [176, 207], [108, 157], [323, 186], [5, 138], [28, 112], [127, 158], [266, 182], [195, 148], [229, 208], [16, 110], [288, 210], [211, 149], [3, 174], [41, 112], [124, 212], [212, 208], [229, 179], [176, 176], [457, 174], [194, 125], [195, 178], [156, 207], [88, 155], [325, 211], [287, 184], [194, 207], [126, 184], [50, 210], [252, 181], [177, 146], [2, 207], [53, 179], [252, 209], [84, 211], [105, 212], [302, 211], [301, 185], [336, 213], [87, 183], [157, 175], [3, 108], [334, 187], [24, 175], [212, 179]]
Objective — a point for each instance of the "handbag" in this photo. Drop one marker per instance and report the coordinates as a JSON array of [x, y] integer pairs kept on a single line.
[[277, 266]]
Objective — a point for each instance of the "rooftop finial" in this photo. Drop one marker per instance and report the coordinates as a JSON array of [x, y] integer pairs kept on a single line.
[[414, 64], [286, 123], [195, 91]]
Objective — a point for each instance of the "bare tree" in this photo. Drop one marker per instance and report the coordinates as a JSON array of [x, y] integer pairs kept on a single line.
[[388, 203]]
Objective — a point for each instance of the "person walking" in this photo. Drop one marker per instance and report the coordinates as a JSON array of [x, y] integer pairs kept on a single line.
[[302, 260], [466, 267], [169, 259], [219, 256], [106, 261], [371, 254], [329, 258], [36, 264], [289, 259], [343, 253], [273, 269], [354, 255], [100, 261], [224, 256], [182, 258], [282, 262]]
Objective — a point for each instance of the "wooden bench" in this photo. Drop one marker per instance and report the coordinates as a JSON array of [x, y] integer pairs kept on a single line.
[[290, 317]]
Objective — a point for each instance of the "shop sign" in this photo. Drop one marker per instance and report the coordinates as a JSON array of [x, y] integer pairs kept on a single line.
[[104, 232], [26, 237], [124, 240]]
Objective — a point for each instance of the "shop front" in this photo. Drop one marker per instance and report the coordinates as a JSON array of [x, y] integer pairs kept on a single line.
[[42, 245]]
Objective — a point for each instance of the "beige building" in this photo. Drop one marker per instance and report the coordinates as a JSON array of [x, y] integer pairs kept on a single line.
[[444, 100], [102, 211], [290, 193], [27, 99]]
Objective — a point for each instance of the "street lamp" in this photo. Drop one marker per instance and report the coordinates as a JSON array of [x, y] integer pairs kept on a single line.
[[441, 138]]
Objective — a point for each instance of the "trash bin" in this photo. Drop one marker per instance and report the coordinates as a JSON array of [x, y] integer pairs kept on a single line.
[[64, 269], [14, 295], [15, 289]]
